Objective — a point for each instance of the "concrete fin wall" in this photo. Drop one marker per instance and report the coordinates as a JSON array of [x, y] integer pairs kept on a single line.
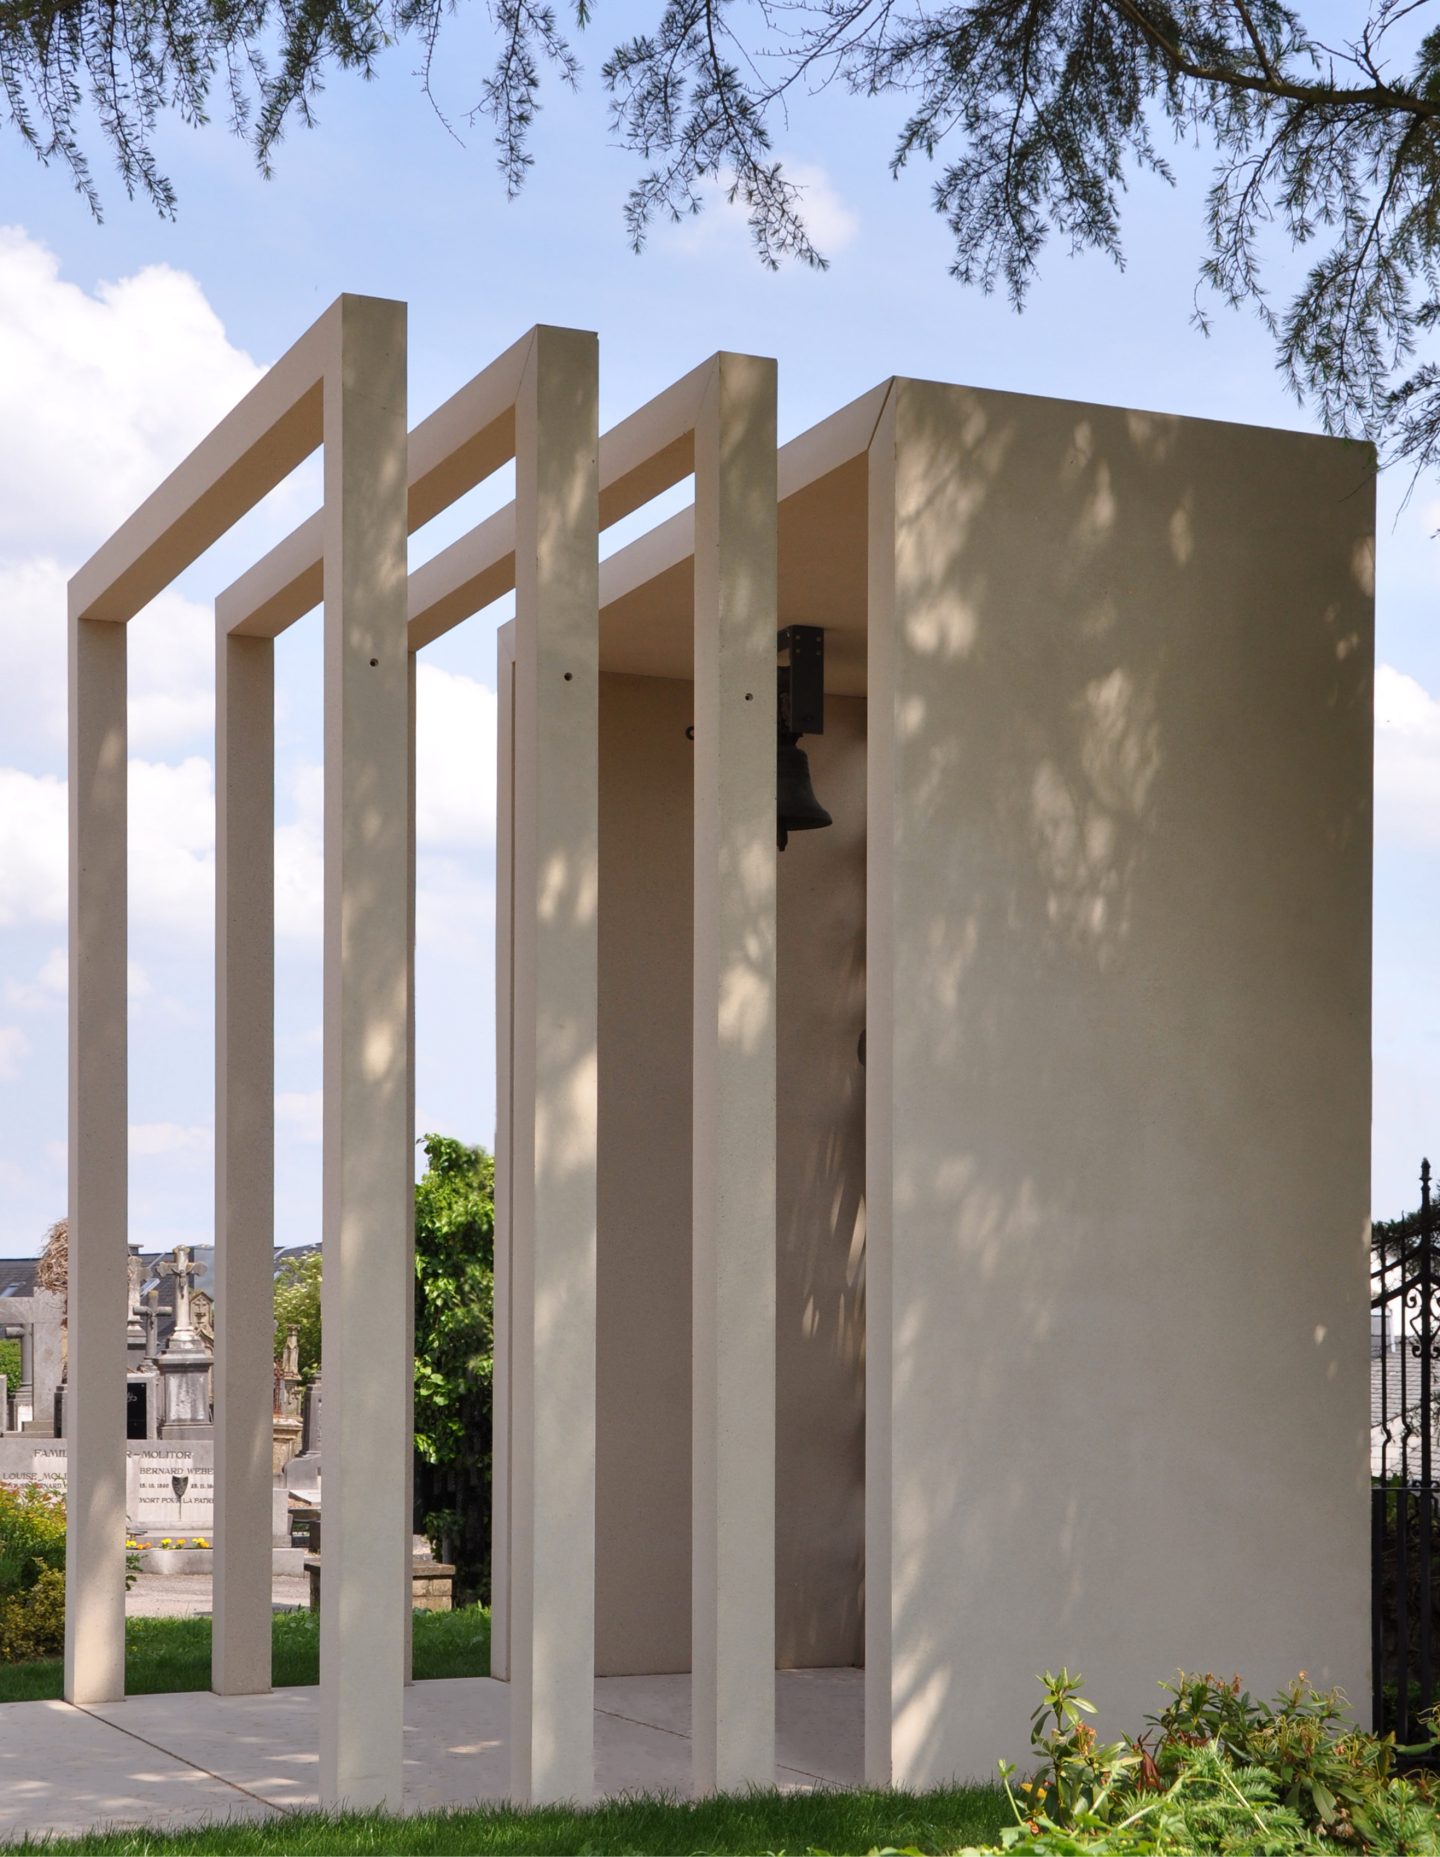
[[1120, 726]]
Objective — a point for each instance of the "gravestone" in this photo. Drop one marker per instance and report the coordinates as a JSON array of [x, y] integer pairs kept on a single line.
[[171, 1491], [185, 1365], [37, 1323], [137, 1334], [47, 1468], [302, 1473]]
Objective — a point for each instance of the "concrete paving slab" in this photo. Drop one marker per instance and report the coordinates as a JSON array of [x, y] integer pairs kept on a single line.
[[820, 1724], [819, 1718], [182, 1759], [64, 1770], [266, 1746]]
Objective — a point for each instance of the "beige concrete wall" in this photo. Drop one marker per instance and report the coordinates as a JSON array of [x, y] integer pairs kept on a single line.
[[1120, 727], [643, 1287]]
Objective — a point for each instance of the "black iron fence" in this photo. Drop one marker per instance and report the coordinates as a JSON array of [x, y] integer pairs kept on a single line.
[[1404, 1525]]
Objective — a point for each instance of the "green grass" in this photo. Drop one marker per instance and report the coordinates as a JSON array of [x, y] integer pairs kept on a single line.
[[163, 1655], [833, 1822]]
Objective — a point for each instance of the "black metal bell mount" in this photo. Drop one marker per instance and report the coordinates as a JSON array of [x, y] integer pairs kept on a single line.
[[800, 711]]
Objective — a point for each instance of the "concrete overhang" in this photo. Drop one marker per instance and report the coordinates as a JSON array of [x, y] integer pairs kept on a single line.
[[646, 625]]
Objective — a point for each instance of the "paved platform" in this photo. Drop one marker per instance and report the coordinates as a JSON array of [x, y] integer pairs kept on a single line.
[[170, 1761], [191, 1595]]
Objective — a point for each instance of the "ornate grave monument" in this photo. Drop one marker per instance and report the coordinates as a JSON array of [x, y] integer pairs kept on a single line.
[[185, 1364]]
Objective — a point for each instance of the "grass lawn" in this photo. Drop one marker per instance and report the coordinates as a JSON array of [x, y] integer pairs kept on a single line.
[[169, 1654], [832, 1822]]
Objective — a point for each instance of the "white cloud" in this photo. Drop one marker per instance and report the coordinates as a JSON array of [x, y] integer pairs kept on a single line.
[[171, 663], [172, 1138], [172, 833], [302, 1111], [454, 759], [171, 673], [172, 847], [454, 813], [33, 837], [724, 224], [49, 987], [300, 859], [101, 394], [1407, 759], [14, 1049]]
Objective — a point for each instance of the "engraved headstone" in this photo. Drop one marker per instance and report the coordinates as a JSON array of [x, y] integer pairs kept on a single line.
[[173, 1491]]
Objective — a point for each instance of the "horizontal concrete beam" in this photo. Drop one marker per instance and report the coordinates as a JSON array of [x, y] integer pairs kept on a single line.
[[463, 578], [458, 446], [275, 427]]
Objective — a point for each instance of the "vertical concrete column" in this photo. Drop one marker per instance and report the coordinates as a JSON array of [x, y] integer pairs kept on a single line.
[[244, 1159], [367, 1162], [879, 1097], [733, 1488], [552, 1281], [95, 1404], [407, 1588], [504, 1162]]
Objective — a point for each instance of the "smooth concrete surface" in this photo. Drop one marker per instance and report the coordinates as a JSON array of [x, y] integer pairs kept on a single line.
[[552, 1188], [98, 1164], [732, 1151], [642, 1517], [642, 1319], [244, 1160], [368, 1163], [1118, 1078], [182, 1760]]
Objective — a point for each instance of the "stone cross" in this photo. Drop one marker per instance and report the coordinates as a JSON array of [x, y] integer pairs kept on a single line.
[[135, 1271], [183, 1270]]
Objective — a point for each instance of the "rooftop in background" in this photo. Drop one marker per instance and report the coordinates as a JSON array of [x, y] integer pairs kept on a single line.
[[17, 1274]]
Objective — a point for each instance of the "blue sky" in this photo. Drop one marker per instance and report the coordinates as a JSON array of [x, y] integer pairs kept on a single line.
[[120, 344]]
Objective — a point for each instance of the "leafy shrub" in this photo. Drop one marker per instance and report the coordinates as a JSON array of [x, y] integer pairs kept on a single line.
[[32, 1536], [1321, 1764], [32, 1623], [1218, 1770], [32, 1573]]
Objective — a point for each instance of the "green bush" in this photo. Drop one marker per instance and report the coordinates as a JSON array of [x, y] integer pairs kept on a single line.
[[1218, 1770], [32, 1536], [32, 1623], [32, 1573]]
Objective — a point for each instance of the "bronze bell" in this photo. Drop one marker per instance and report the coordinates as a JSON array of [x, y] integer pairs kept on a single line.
[[796, 809]]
